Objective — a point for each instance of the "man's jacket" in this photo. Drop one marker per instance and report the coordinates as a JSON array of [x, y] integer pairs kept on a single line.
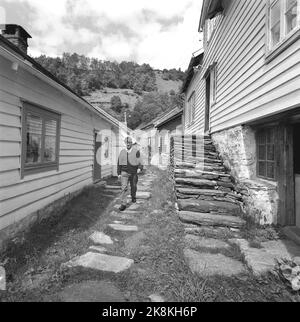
[[130, 162]]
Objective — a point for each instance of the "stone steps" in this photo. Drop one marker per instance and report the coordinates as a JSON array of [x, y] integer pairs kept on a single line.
[[206, 219], [205, 160], [208, 206], [207, 194], [201, 174], [204, 183], [206, 167]]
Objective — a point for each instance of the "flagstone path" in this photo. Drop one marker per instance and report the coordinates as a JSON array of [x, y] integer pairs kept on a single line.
[[147, 254], [104, 254]]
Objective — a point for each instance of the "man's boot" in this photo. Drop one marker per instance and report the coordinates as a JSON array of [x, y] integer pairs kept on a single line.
[[122, 208]]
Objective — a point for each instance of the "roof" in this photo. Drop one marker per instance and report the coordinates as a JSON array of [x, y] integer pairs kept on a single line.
[[195, 61], [210, 8], [169, 116], [34, 65]]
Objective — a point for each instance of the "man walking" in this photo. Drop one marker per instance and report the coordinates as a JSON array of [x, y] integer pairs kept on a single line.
[[129, 165]]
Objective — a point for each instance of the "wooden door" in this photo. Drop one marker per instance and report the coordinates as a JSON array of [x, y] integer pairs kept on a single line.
[[97, 156]]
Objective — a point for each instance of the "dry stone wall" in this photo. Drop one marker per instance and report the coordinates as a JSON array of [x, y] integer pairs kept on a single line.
[[237, 148]]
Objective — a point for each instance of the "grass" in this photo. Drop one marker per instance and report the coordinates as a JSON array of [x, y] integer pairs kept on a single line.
[[159, 264]]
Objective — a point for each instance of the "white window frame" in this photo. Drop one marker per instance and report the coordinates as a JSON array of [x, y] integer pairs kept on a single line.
[[213, 85], [286, 39], [45, 115], [190, 109]]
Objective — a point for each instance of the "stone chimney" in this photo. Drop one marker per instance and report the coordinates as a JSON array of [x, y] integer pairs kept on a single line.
[[16, 35]]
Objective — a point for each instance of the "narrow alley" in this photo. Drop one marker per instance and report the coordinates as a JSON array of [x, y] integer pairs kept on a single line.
[[97, 254]]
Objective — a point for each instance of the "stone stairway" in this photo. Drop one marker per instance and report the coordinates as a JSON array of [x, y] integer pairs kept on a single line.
[[205, 192]]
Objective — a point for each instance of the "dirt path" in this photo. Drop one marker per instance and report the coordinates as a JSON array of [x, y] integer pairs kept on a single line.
[[138, 255]]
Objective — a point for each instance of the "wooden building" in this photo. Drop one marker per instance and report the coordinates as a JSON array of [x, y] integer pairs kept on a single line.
[[246, 95], [52, 142]]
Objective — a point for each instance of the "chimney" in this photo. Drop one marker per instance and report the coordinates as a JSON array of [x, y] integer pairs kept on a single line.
[[16, 35]]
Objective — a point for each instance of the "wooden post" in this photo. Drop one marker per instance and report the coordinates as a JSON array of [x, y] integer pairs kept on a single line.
[[285, 175]]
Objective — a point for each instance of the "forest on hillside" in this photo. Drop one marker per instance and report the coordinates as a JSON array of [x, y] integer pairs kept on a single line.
[[152, 105], [85, 75]]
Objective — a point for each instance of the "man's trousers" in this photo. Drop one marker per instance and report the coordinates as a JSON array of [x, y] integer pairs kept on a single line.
[[126, 179]]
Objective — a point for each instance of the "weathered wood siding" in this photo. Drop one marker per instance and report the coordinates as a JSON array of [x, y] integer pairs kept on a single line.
[[248, 87], [21, 197]]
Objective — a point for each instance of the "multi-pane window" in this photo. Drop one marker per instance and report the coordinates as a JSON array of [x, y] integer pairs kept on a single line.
[[266, 153], [283, 20], [40, 137]]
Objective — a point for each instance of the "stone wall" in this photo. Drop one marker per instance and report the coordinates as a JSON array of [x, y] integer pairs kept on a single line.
[[237, 147]]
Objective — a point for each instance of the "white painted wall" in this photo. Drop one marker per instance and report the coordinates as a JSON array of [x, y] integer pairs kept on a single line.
[[248, 88], [21, 197]]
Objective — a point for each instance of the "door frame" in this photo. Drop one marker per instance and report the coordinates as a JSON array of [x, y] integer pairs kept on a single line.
[[285, 174], [95, 180], [207, 102]]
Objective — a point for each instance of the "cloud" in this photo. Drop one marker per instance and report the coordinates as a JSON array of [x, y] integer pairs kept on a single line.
[[162, 33]]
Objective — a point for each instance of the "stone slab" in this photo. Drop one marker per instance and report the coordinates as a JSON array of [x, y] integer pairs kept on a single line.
[[195, 241], [98, 249], [208, 206], [111, 187], [120, 227], [91, 291], [101, 238], [264, 260], [134, 206], [143, 195], [206, 264], [101, 262], [205, 219], [156, 298]]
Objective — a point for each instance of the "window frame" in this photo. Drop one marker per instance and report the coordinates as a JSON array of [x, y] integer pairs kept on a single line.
[[286, 39], [265, 130], [190, 109], [45, 114], [213, 85]]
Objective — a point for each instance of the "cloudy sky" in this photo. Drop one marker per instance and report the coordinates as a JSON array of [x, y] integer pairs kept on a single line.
[[162, 33]]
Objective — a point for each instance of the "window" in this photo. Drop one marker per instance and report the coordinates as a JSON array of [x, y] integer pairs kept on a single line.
[[210, 27], [40, 140], [283, 21], [190, 111], [266, 154]]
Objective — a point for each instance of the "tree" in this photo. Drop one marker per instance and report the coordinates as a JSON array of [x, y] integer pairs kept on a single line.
[[116, 104]]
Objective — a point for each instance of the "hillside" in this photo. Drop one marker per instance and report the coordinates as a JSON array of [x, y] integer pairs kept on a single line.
[[128, 96], [139, 90], [164, 85]]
